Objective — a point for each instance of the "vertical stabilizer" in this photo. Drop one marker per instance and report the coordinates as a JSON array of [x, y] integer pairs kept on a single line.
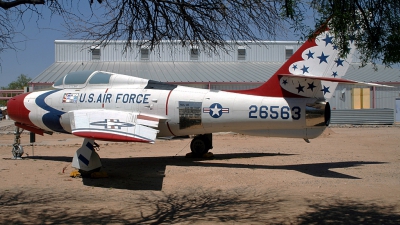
[[300, 76]]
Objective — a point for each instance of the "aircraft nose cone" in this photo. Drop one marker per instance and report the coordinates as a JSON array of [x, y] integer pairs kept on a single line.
[[17, 111]]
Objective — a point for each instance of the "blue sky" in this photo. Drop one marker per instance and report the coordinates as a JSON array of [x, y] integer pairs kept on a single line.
[[33, 55]]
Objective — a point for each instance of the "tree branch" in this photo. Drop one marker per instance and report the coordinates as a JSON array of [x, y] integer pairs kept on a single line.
[[7, 5]]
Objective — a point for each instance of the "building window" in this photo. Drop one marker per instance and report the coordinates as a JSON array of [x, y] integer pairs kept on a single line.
[[144, 53], [288, 52], [241, 54], [95, 53], [361, 98], [194, 54]]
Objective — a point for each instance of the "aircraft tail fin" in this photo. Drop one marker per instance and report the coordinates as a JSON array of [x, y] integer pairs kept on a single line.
[[314, 70]]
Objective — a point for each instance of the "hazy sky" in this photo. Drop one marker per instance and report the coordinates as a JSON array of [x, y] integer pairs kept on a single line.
[[36, 50]]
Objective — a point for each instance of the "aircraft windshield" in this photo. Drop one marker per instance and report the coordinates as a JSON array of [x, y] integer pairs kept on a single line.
[[100, 78], [79, 77]]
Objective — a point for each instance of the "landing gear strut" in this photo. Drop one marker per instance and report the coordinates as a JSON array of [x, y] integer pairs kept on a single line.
[[201, 144], [17, 150]]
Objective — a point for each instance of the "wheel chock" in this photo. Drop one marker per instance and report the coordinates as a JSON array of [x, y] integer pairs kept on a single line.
[[75, 174]]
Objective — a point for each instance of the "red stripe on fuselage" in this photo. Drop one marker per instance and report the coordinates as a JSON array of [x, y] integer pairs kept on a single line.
[[102, 105], [166, 112], [166, 103], [169, 128]]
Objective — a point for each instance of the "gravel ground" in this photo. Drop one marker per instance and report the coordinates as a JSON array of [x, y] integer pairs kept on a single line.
[[349, 175]]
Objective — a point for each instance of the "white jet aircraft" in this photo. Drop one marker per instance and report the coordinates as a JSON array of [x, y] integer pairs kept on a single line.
[[99, 105]]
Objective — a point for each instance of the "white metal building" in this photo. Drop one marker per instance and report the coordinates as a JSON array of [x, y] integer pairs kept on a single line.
[[245, 66]]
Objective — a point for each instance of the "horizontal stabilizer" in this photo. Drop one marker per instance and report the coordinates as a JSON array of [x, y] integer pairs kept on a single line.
[[113, 125], [334, 79]]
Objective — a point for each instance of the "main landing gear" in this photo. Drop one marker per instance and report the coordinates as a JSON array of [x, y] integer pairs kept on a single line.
[[201, 144], [86, 159]]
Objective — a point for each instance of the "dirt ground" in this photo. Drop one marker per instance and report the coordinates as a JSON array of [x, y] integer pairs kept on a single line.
[[349, 175]]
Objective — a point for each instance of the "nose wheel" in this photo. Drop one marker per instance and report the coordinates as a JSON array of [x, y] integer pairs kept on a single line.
[[17, 150], [201, 144]]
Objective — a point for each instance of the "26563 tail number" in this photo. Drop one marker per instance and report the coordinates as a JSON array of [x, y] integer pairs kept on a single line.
[[275, 112]]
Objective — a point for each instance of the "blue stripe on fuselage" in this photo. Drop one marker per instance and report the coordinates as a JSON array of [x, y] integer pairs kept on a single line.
[[52, 118]]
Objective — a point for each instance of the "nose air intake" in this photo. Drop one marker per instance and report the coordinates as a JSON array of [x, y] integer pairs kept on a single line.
[[17, 110]]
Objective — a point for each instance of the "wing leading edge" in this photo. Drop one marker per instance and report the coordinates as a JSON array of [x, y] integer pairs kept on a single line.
[[113, 125]]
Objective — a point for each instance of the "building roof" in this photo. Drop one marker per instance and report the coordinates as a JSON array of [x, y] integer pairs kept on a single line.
[[179, 72], [204, 72], [382, 74]]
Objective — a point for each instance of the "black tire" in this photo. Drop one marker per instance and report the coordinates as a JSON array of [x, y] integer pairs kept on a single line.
[[199, 146], [17, 151]]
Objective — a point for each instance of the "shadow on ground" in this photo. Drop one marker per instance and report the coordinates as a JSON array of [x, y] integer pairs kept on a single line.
[[147, 173], [195, 206], [349, 212]]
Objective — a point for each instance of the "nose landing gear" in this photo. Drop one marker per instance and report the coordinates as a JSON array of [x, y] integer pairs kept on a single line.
[[17, 150]]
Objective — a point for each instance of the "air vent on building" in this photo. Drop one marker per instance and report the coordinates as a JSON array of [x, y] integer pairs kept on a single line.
[[241, 54], [95, 53], [194, 54], [288, 53], [144, 53]]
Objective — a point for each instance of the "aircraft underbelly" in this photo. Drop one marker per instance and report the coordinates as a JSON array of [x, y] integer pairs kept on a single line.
[[306, 133]]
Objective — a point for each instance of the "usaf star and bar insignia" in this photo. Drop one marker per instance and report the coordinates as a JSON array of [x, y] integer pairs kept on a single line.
[[215, 110]]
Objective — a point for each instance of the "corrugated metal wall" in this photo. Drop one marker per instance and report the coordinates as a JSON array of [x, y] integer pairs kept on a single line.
[[386, 97], [363, 116], [71, 51], [381, 97], [341, 99]]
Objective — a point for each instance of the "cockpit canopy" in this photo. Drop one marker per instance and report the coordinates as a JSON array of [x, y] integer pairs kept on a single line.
[[81, 78]]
